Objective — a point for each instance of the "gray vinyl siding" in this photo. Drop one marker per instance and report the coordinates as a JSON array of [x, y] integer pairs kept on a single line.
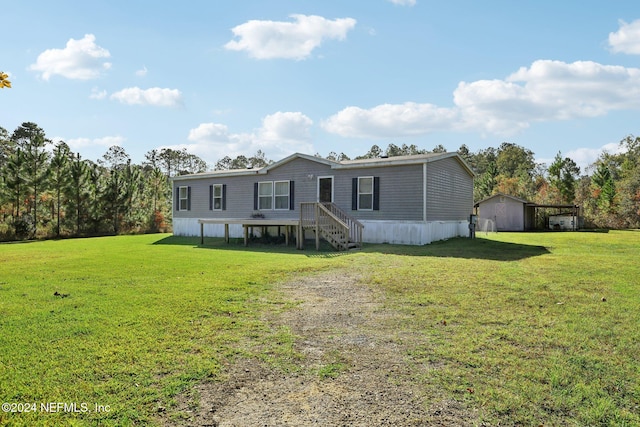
[[240, 188], [449, 191], [401, 189]]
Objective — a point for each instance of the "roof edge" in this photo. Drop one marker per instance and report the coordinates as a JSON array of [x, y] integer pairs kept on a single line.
[[294, 156], [347, 164], [404, 160]]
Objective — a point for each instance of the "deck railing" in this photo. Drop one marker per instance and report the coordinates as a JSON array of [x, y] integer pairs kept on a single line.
[[335, 225], [355, 226]]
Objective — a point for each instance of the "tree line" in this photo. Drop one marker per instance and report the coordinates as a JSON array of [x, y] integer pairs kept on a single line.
[[46, 190], [608, 191]]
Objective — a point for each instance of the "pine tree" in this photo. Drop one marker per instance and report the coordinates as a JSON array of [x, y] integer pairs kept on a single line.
[[14, 180], [563, 173], [59, 176], [604, 185], [76, 190], [31, 139]]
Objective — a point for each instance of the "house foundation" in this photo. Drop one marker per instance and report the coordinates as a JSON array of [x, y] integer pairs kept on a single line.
[[392, 232]]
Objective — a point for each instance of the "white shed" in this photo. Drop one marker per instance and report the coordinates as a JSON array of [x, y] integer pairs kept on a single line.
[[502, 212], [505, 213]]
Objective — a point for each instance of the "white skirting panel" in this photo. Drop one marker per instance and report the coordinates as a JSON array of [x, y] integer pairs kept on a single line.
[[394, 232], [190, 227], [412, 232]]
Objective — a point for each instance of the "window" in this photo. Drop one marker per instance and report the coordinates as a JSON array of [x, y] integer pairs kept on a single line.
[[265, 195], [184, 194], [276, 195], [365, 193], [217, 197], [281, 194]]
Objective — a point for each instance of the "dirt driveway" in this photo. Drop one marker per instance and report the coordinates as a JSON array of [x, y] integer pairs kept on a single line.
[[355, 368]]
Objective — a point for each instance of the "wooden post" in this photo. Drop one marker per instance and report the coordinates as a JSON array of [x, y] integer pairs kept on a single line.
[[226, 233], [317, 227], [299, 235], [246, 234], [286, 235], [202, 233]]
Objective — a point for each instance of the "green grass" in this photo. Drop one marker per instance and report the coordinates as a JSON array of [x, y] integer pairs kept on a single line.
[[531, 328], [145, 318], [513, 325]]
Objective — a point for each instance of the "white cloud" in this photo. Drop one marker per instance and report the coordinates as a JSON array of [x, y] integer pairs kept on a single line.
[[289, 40], [546, 91], [141, 72], [626, 39], [585, 157], [495, 106], [160, 97], [404, 2], [80, 59], [286, 128], [210, 132], [98, 94], [390, 120], [280, 135], [79, 143]]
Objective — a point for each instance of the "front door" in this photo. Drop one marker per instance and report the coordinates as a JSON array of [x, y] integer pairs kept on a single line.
[[325, 189]]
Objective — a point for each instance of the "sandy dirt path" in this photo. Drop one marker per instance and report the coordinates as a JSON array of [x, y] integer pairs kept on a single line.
[[355, 368]]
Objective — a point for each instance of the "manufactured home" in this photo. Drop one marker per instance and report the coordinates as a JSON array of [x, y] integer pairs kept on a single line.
[[410, 200]]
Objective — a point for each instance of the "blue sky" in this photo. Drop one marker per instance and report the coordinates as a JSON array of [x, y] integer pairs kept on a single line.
[[231, 77]]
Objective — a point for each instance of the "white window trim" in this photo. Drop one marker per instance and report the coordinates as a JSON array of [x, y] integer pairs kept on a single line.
[[185, 198], [213, 202], [361, 193], [260, 197]]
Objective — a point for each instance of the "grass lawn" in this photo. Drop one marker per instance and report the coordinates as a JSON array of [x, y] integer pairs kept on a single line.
[[145, 317], [530, 329]]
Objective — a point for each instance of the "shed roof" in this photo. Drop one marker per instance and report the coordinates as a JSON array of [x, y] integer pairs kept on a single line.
[[517, 199], [525, 202]]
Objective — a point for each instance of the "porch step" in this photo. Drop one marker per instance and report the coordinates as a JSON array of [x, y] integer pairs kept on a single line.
[[332, 224], [339, 241]]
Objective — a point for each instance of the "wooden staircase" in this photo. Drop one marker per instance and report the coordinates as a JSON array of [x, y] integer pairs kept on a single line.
[[331, 223]]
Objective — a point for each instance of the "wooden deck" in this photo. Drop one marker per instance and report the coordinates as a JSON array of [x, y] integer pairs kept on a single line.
[[325, 219], [288, 224]]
